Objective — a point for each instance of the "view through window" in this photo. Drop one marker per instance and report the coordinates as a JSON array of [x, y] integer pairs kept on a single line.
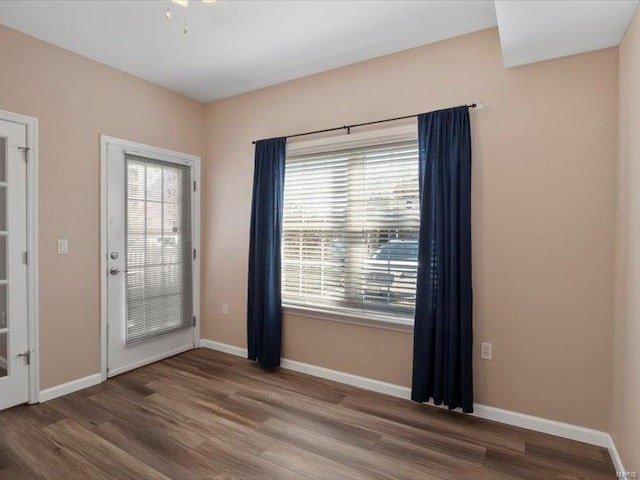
[[350, 229]]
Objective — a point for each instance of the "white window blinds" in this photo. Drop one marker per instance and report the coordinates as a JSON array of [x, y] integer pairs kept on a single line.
[[158, 248], [350, 229]]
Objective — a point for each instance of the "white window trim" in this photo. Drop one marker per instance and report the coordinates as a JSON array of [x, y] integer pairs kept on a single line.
[[353, 316], [386, 135]]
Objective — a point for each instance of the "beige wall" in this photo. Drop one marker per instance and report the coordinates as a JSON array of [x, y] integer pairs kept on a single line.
[[543, 199], [76, 100], [543, 216], [625, 422]]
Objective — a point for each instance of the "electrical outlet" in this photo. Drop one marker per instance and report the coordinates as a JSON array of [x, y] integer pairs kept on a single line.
[[225, 308], [487, 351]]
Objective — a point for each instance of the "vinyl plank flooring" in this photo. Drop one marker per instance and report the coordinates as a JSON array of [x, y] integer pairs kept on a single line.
[[310, 465], [206, 415], [39, 456], [172, 460], [244, 464], [331, 428], [448, 424], [374, 465], [39, 417], [15, 472], [91, 449], [80, 408], [427, 438], [436, 462], [143, 419], [201, 420], [568, 461]]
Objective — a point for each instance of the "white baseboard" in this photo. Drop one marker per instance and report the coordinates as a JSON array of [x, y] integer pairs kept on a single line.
[[615, 456], [141, 363], [69, 387], [224, 347], [347, 378], [544, 425], [538, 424], [336, 376]]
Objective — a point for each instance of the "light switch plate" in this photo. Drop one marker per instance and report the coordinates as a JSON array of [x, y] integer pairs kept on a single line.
[[63, 246]]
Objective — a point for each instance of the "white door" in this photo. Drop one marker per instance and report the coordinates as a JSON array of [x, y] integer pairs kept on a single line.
[[150, 258], [14, 342]]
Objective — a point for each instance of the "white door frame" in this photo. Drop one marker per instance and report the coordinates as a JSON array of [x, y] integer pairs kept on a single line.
[[31, 124], [159, 154]]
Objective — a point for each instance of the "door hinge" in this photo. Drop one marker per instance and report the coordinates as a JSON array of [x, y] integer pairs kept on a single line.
[[26, 152], [194, 254], [27, 356], [194, 321], [194, 185], [26, 257]]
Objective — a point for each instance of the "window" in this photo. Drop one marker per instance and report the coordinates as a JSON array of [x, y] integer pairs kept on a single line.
[[350, 228], [158, 245]]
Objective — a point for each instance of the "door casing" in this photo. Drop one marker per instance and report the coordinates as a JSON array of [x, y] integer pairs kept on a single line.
[[159, 154], [31, 124]]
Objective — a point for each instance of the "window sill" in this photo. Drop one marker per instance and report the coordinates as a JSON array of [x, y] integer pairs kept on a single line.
[[375, 321]]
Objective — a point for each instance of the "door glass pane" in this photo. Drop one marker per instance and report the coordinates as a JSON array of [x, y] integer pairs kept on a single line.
[[3, 307], [3, 208], [158, 248], [3, 159], [3, 354], [3, 256]]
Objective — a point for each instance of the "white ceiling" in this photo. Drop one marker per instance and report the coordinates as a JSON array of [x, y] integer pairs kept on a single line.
[[237, 46], [531, 31]]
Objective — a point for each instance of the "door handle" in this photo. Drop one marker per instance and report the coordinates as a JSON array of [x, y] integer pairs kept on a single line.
[[26, 355], [114, 270]]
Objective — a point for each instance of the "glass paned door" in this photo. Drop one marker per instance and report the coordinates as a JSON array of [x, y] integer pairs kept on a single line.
[[3, 278], [149, 256], [14, 341]]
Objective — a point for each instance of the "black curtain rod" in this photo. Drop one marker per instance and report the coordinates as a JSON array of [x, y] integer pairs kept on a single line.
[[349, 127]]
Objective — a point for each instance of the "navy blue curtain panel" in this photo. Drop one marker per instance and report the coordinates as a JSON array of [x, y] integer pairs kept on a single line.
[[264, 306], [443, 333]]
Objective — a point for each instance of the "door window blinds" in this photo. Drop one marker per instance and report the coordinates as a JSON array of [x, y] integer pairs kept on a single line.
[[158, 248], [350, 229]]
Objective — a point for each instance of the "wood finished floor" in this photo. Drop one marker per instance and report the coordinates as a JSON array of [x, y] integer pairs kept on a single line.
[[208, 415]]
